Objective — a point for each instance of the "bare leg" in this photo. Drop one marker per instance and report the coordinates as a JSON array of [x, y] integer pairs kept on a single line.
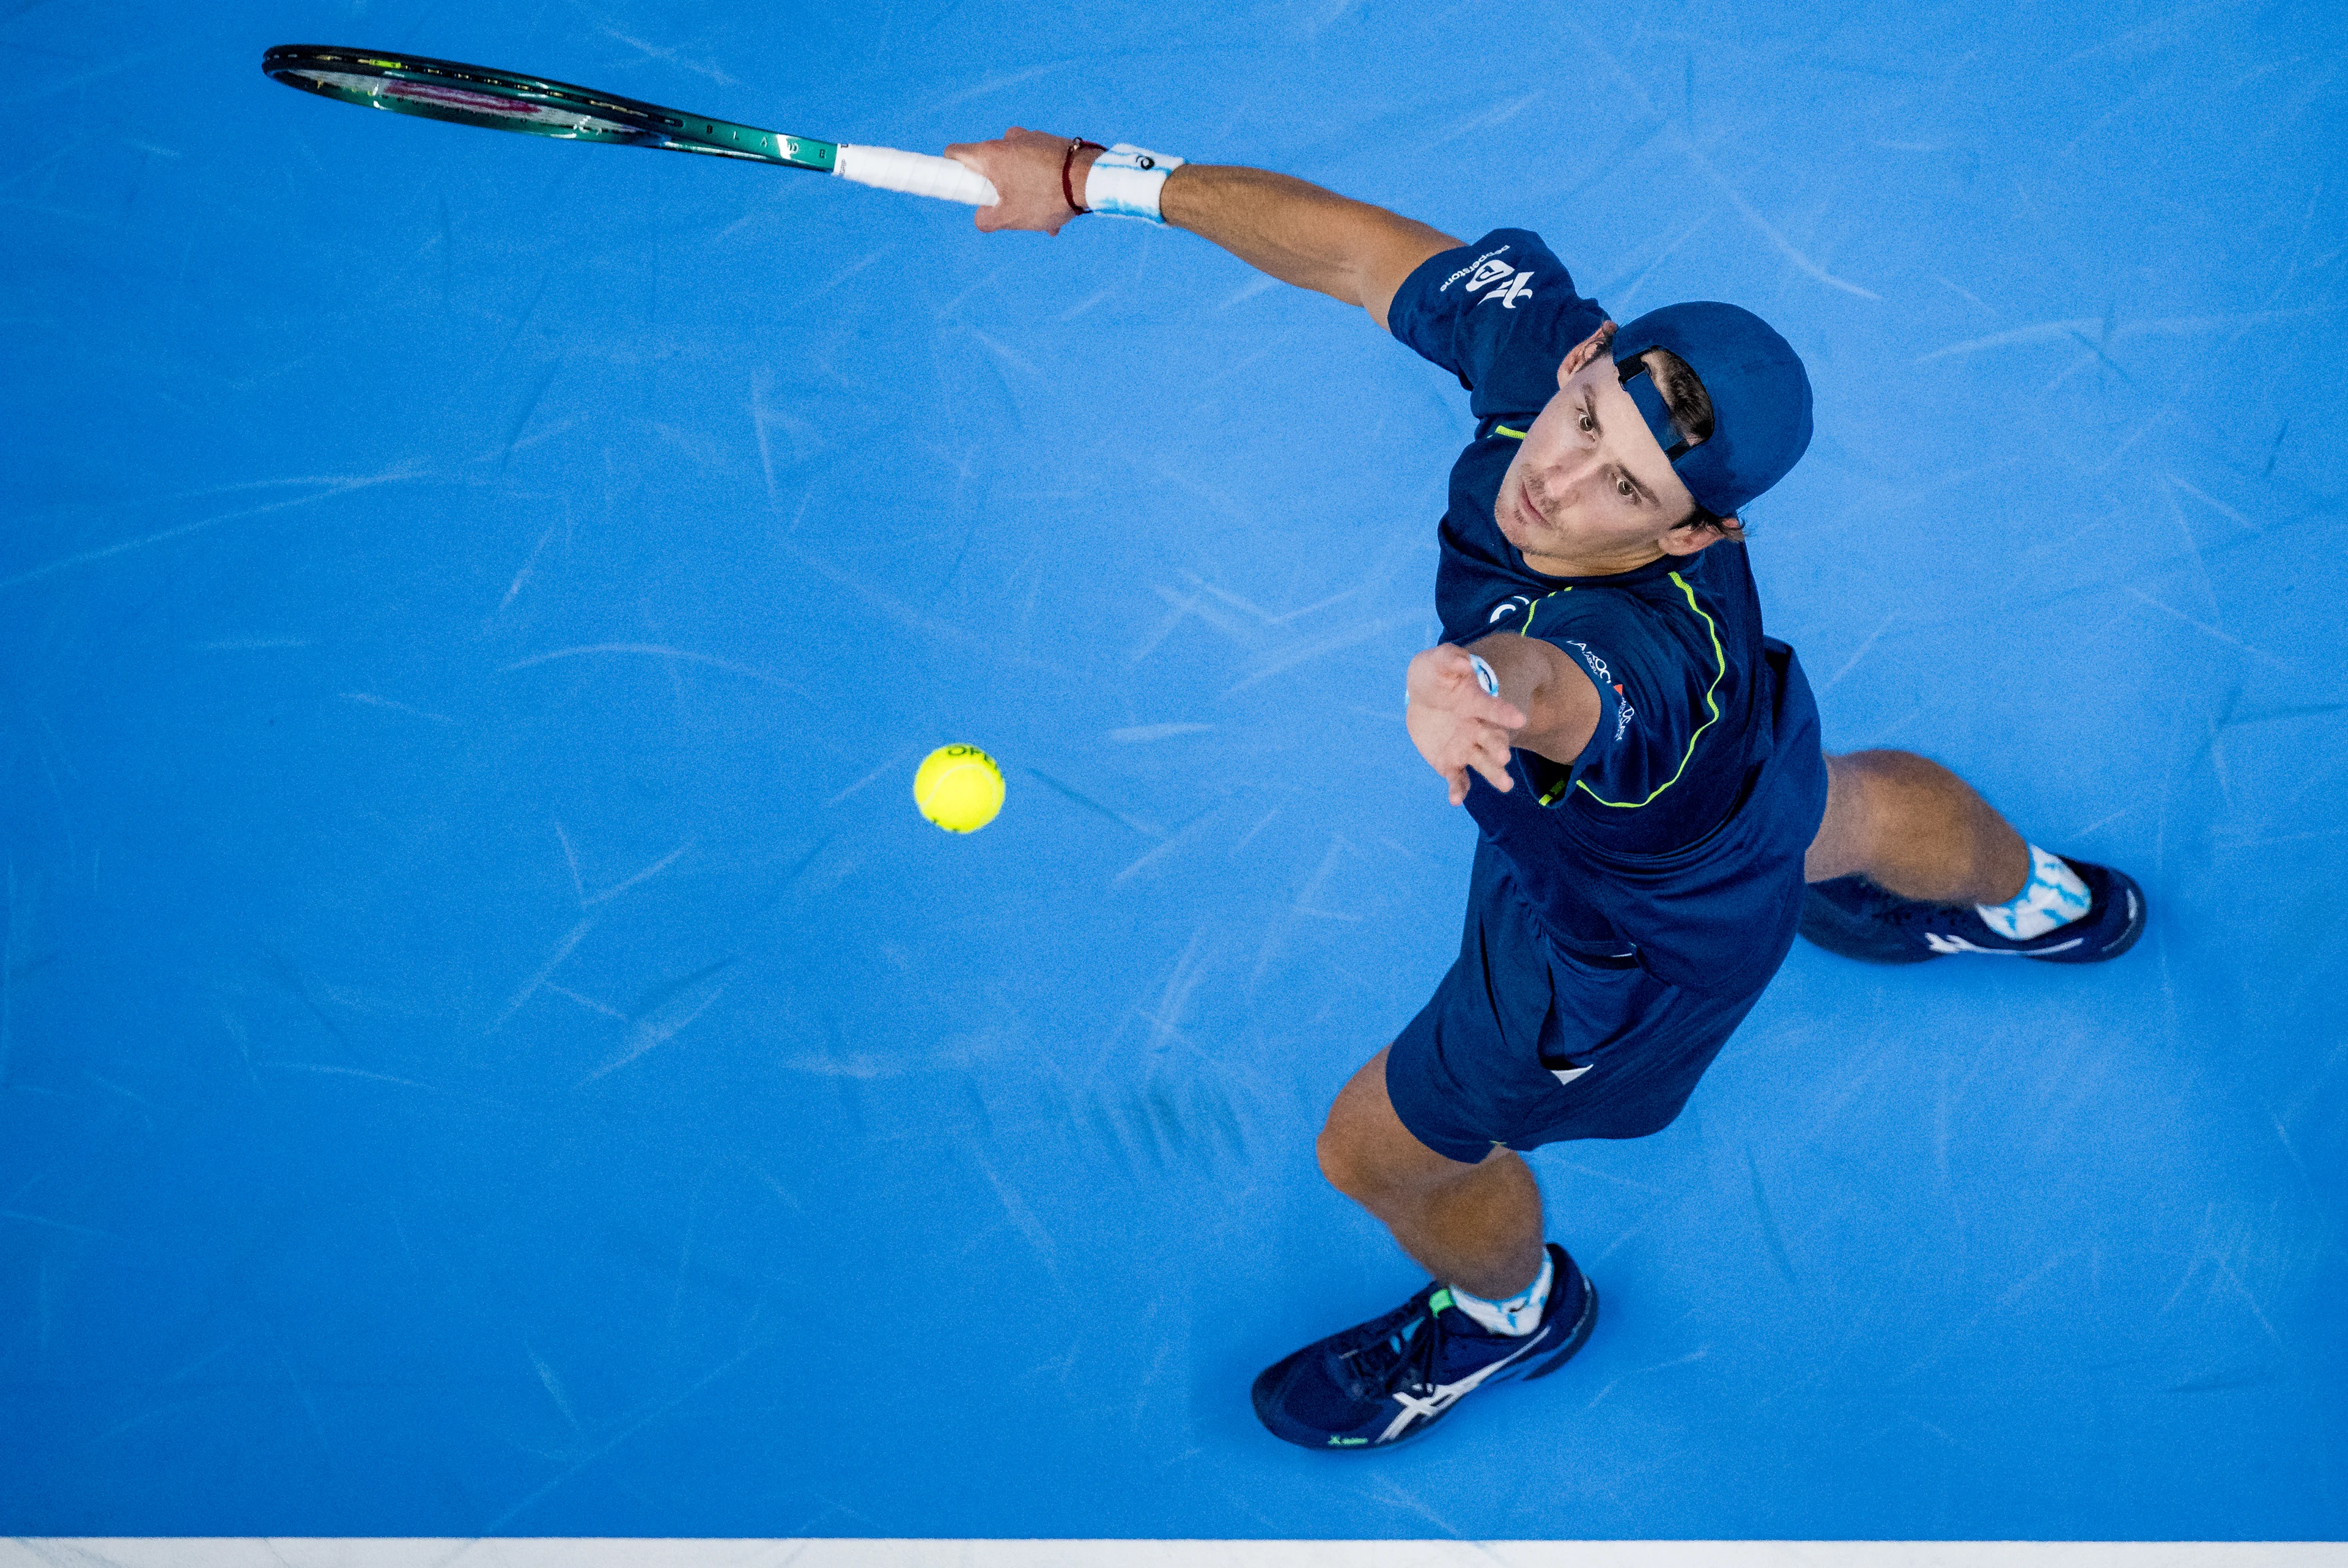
[[1908, 824], [1915, 829], [1475, 1226]]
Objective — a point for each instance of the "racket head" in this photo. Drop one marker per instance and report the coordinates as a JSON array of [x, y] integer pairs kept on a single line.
[[497, 99]]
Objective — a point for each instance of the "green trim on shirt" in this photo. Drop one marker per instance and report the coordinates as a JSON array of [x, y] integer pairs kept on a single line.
[[1719, 673]]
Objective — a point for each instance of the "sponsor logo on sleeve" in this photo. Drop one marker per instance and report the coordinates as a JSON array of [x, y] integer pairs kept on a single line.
[[1491, 272], [1476, 267], [1518, 288], [1487, 270], [1624, 711]]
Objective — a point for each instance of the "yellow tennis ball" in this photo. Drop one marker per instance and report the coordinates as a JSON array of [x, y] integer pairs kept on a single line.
[[959, 788]]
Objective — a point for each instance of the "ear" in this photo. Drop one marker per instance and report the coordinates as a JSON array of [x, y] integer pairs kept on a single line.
[[1587, 350], [1684, 542]]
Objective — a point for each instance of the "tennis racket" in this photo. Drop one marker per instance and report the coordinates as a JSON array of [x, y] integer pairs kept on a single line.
[[505, 100]]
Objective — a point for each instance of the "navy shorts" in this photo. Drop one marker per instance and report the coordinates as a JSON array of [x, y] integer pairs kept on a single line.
[[1525, 1044]]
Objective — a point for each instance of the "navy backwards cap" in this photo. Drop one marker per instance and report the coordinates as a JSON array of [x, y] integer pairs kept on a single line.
[[1760, 399]]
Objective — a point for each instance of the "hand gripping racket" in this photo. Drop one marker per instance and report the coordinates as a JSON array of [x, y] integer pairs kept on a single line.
[[503, 100]]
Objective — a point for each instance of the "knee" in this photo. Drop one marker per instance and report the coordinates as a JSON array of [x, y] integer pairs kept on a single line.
[[1368, 1155], [1346, 1161], [1883, 773], [1871, 791], [1366, 1168]]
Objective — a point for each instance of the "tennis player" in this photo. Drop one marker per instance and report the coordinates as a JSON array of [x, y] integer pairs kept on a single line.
[[1644, 765]]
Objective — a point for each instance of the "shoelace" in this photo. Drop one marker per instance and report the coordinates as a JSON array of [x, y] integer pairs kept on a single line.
[[1405, 1344]]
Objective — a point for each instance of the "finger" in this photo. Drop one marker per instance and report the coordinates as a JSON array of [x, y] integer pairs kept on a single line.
[[1434, 664], [1452, 663], [1489, 753], [1495, 775]]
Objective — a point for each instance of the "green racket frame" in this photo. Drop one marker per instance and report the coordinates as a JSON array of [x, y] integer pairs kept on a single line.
[[361, 77]]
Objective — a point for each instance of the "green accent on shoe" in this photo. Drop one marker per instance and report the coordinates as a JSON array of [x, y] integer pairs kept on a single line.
[[1347, 1443], [1439, 1301]]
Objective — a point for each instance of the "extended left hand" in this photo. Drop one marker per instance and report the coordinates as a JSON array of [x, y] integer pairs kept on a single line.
[[1457, 726], [1024, 165]]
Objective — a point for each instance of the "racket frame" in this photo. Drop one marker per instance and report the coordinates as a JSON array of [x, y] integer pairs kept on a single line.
[[639, 124]]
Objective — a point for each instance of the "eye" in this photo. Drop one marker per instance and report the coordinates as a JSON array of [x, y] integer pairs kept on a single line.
[[1623, 487], [1588, 424]]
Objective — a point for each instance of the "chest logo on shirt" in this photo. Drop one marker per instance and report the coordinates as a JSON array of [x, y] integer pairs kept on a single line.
[[1506, 607]]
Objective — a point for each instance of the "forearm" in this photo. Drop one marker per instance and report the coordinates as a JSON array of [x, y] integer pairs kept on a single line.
[[1302, 234], [1299, 233], [1554, 694]]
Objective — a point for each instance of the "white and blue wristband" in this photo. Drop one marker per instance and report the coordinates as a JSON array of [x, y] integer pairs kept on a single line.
[[1126, 182], [1484, 678]]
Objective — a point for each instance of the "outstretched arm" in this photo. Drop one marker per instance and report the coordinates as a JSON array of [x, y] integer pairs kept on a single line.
[[1546, 704], [1298, 232], [1302, 234]]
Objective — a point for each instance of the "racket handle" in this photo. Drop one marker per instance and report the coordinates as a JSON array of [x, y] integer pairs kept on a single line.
[[916, 173]]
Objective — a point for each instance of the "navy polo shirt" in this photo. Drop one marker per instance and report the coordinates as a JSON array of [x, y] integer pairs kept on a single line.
[[1683, 792]]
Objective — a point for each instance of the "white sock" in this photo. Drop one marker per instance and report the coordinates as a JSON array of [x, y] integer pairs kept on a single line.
[[2053, 897], [1519, 1313]]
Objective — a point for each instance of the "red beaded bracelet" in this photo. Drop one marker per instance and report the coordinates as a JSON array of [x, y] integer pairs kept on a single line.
[[1067, 162]]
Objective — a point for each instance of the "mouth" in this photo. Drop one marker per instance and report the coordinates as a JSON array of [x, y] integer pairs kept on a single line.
[[1529, 517]]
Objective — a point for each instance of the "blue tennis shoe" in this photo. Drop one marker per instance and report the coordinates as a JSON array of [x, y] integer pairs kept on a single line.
[[1853, 917], [1386, 1381]]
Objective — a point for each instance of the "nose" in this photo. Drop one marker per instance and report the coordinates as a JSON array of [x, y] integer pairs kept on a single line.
[[1565, 482]]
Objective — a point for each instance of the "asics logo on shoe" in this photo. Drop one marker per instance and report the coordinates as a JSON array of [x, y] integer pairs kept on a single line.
[[1440, 1397]]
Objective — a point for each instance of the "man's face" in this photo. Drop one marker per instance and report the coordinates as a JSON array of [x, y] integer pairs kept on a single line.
[[1588, 492]]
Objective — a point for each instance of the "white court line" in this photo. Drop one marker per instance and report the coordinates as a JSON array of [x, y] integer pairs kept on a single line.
[[92, 1551]]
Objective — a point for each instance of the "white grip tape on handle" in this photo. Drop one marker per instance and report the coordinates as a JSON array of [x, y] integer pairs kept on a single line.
[[916, 173]]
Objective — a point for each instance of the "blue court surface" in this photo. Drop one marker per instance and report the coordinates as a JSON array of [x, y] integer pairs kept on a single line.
[[488, 1046]]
